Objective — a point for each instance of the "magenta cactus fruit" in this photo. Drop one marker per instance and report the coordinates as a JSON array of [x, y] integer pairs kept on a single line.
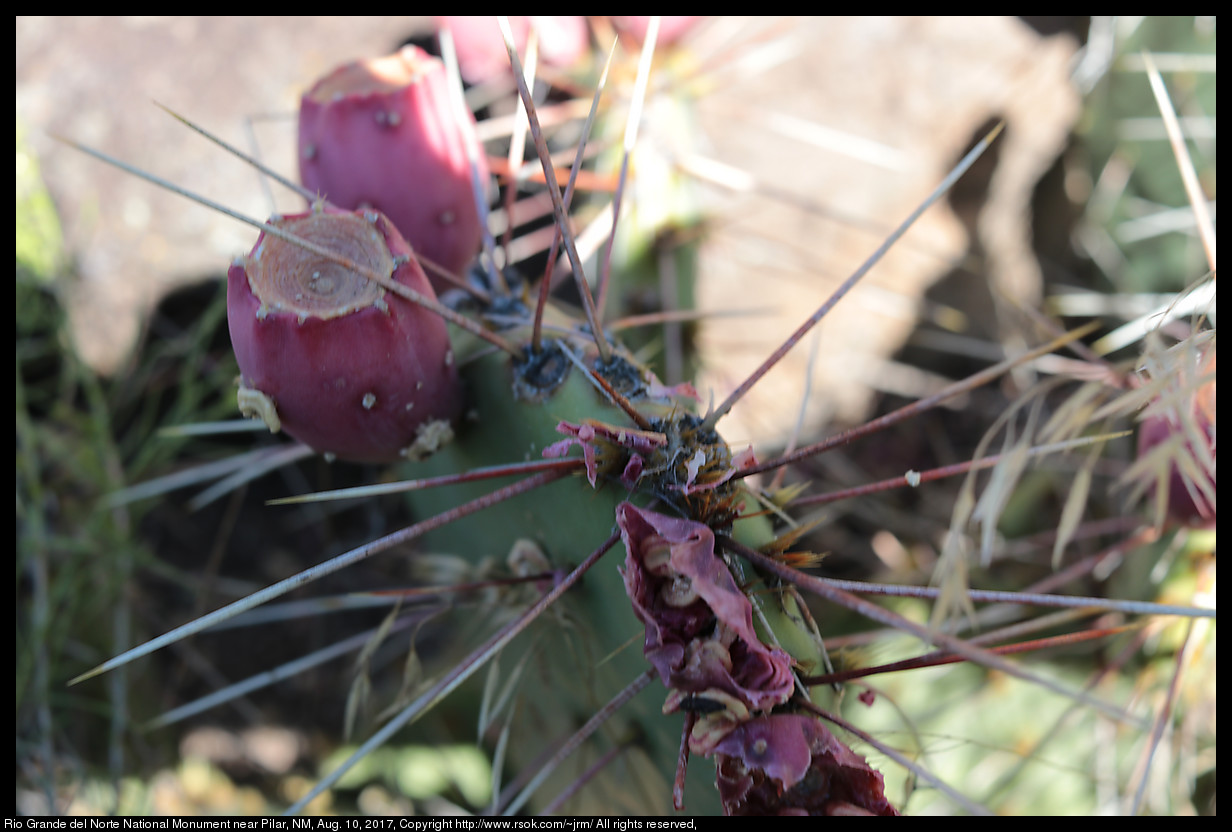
[[1181, 429], [382, 133], [329, 356], [672, 27], [563, 40]]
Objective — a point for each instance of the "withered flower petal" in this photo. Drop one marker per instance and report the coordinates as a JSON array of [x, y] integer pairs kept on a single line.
[[689, 653], [791, 764]]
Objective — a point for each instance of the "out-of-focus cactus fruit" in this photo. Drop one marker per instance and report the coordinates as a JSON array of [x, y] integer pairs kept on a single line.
[[1184, 433], [672, 27], [332, 358], [382, 133], [563, 40]]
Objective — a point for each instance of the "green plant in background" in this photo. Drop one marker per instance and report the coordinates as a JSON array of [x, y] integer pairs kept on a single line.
[[80, 438], [1138, 225], [915, 697]]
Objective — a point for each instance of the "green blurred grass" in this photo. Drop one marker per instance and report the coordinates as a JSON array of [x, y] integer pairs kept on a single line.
[[80, 437]]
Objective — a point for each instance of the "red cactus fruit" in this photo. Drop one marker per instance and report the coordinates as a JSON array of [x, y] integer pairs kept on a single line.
[[332, 358], [382, 133], [1187, 440], [563, 39], [672, 27]]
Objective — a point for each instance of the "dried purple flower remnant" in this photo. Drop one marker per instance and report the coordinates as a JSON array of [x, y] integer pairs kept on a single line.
[[790, 764], [742, 460], [699, 625], [700, 639], [606, 448]]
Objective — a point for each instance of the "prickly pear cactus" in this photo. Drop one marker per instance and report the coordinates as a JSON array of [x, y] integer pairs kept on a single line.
[[661, 637]]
